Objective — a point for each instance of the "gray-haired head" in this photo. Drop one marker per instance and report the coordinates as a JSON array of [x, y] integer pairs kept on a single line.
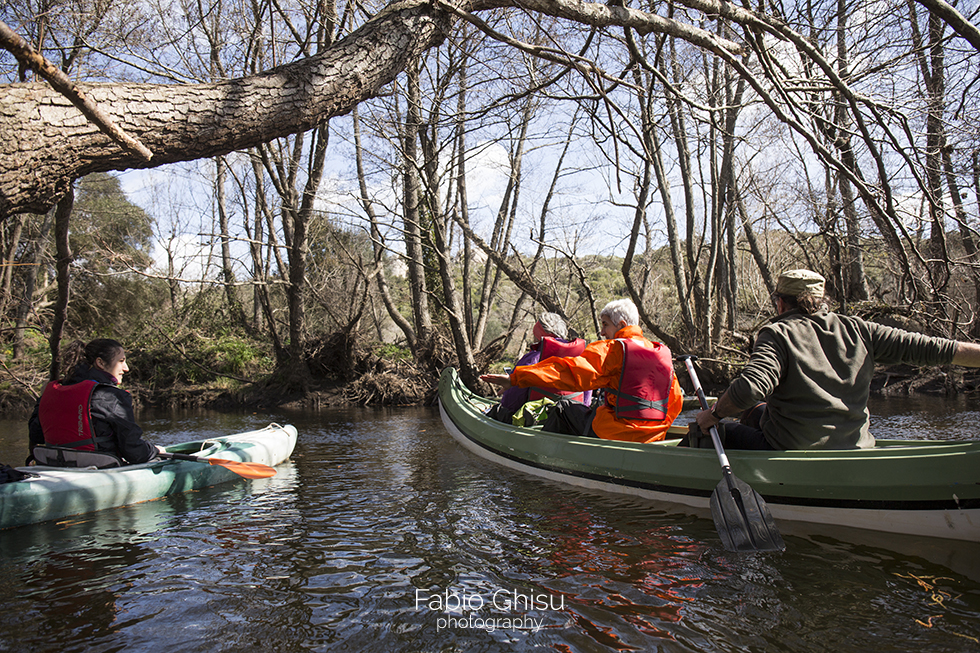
[[554, 325], [621, 310]]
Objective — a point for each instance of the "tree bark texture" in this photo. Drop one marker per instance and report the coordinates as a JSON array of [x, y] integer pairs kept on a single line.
[[49, 143]]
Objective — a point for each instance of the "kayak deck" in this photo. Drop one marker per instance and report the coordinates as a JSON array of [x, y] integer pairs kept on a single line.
[[54, 493]]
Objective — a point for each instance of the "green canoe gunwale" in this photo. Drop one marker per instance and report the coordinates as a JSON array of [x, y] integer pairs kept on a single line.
[[902, 480]]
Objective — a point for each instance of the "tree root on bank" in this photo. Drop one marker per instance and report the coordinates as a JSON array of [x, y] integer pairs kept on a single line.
[[377, 381], [903, 380], [388, 388]]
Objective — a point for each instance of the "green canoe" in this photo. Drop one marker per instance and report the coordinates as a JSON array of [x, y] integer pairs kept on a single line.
[[916, 487], [55, 493]]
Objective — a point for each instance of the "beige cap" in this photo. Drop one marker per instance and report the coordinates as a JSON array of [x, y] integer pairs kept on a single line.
[[793, 283]]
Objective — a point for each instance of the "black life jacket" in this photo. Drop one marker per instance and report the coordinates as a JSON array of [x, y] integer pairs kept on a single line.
[[644, 382], [555, 347]]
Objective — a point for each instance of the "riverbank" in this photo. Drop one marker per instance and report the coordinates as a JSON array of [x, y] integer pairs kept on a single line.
[[229, 374], [382, 383], [406, 385]]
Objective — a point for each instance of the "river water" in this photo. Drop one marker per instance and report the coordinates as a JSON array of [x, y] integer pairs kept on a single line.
[[382, 534]]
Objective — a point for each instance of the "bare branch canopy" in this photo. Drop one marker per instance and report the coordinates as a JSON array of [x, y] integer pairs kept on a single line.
[[48, 142]]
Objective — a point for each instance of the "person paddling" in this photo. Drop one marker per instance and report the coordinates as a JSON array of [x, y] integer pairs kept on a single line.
[[85, 418], [812, 368]]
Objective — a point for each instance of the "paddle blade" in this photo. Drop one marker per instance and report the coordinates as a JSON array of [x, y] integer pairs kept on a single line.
[[245, 470], [742, 517]]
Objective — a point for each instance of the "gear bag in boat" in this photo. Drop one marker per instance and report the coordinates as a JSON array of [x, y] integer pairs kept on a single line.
[[10, 475]]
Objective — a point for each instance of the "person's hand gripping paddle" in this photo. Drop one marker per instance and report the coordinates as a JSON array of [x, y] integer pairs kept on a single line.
[[741, 516]]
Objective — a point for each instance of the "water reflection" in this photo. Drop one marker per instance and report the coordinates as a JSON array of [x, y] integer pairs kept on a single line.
[[380, 513], [927, 418], [71, 591]]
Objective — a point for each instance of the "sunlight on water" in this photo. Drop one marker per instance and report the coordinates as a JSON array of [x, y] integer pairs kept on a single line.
[[382, 534]]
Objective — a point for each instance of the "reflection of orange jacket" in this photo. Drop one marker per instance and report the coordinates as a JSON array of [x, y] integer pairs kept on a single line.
[[599, 366]]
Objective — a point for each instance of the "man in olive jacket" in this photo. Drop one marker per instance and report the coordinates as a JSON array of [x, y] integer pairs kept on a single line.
[[813, 369]]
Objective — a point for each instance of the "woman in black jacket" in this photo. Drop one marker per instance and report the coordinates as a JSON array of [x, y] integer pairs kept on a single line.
[[87, 410]]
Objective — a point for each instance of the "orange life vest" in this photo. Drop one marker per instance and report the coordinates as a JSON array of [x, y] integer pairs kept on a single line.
[[644, 383], [554, 347]]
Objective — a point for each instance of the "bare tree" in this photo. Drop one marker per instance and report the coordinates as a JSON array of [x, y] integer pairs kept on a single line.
[[821, 95], [378, 242]]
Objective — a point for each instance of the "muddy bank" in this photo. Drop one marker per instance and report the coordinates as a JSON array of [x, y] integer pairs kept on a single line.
[[381, 389], [339, 374]]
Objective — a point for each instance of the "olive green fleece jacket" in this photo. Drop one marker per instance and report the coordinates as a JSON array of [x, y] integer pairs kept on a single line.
[[814, 372]]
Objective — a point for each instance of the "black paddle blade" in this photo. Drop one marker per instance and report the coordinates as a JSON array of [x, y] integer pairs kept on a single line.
[[742, 517]]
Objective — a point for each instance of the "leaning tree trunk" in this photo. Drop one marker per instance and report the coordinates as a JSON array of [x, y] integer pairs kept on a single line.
[[45, 133], [61, 220]]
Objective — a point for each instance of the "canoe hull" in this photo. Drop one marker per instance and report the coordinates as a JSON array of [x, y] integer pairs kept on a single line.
[[927, 488], [55, 493]]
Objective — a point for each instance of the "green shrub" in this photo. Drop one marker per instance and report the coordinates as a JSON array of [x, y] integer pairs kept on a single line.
[[394, 352]]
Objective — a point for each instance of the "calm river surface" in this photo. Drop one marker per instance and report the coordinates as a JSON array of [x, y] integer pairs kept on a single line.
[[380, 522]]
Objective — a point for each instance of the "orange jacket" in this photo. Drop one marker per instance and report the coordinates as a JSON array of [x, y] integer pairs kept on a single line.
[[599, 366]]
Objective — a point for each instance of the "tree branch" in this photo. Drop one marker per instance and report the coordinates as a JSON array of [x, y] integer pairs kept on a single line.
[[954, 19], [27, 56]]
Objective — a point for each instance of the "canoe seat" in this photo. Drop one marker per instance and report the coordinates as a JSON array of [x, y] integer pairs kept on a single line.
[[68, 457]]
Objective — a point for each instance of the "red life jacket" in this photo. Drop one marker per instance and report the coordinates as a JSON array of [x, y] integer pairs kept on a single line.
[[64, 415], [555, 347], [644, 383]]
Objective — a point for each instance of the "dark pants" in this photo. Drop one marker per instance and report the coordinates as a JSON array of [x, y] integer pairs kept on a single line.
[[740, 436], [499, 413], [571, 418], [746, 433]]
